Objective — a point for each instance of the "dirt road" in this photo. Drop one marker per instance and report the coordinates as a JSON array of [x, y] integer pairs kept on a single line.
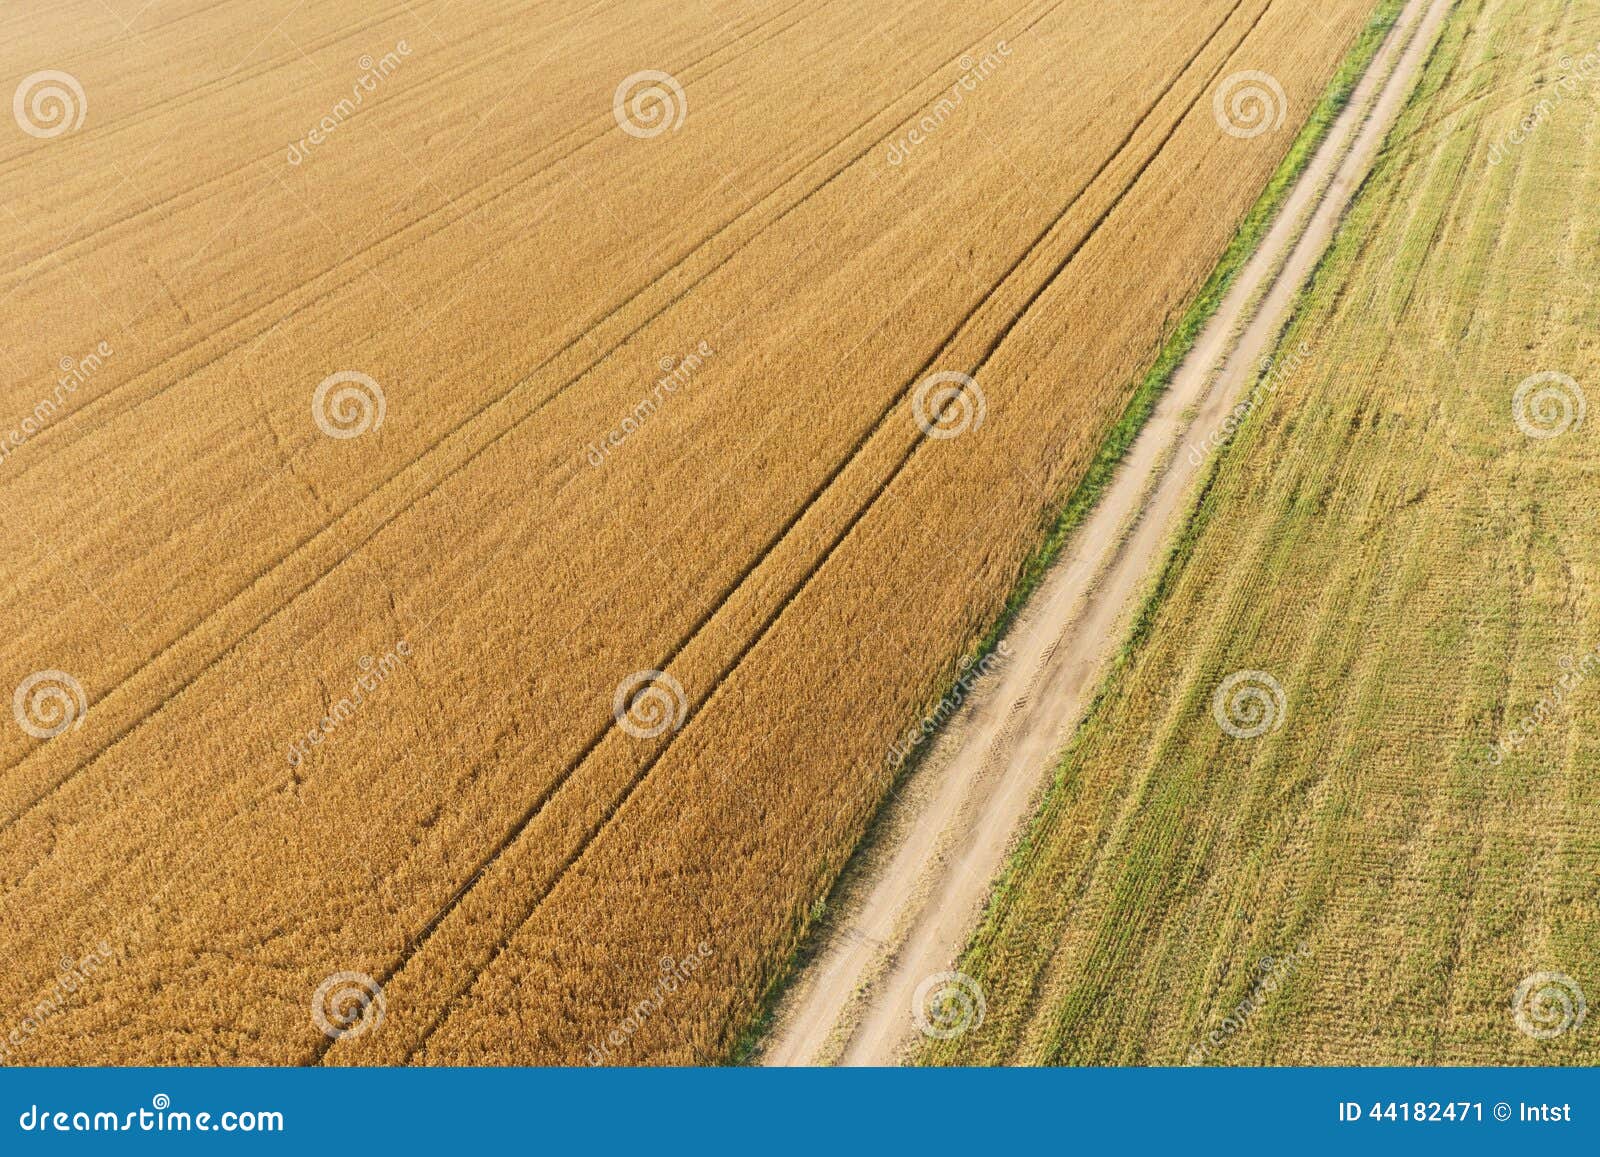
[[912, 902]]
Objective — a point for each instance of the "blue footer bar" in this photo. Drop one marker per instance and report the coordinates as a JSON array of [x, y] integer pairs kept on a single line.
[[810, 1111]]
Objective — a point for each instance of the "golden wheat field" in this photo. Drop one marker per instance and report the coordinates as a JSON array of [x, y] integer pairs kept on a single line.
[[1338, 804], [485, 483]]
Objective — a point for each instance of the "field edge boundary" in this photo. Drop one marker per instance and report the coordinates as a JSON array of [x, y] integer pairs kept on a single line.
[[1202, 508], [1057, 530]]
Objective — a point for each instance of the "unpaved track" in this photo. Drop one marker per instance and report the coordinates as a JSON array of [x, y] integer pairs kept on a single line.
[[852, 1004]]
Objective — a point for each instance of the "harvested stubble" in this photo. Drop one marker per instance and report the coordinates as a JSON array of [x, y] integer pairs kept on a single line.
[[484, 241], [1380, 878]]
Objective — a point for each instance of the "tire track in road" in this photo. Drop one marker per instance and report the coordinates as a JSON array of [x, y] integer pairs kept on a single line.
[[919, 906]]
